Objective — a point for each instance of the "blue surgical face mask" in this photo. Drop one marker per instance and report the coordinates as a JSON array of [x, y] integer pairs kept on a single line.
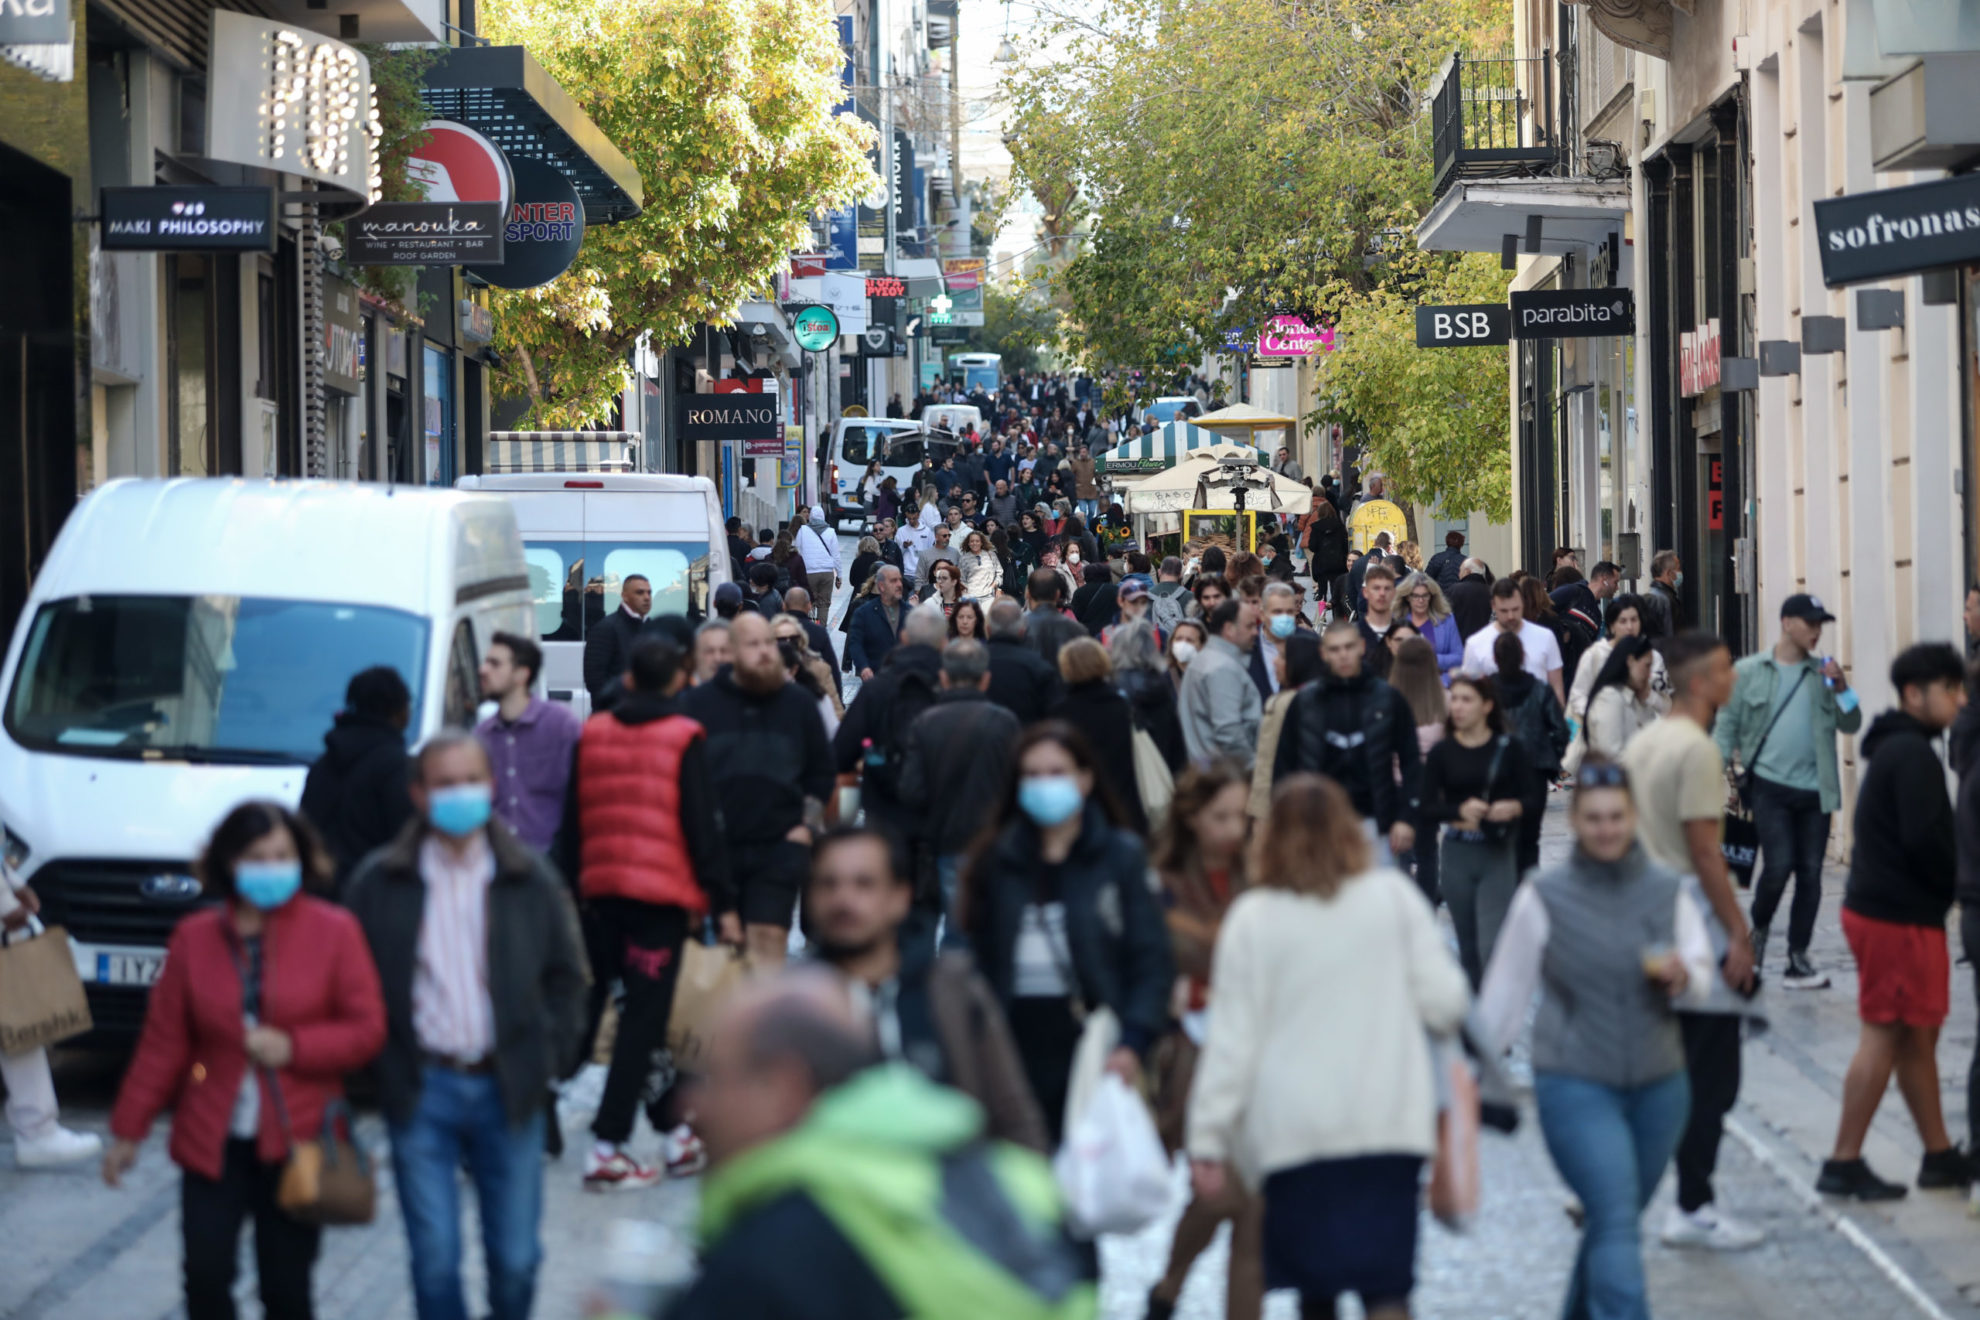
[[1050, 799], [267, 885], [459, 810], [1282, 625]]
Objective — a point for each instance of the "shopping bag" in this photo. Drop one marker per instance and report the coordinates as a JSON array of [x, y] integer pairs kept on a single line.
[[1100, 1033], [1741, 845], [41, 996], [709, 972], [1112, 1169], [1454, 1178], [1152, 777]]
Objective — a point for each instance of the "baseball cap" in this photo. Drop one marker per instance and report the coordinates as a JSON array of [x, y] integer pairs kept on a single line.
[[1806, 607], [1135, 586], [728, 593]]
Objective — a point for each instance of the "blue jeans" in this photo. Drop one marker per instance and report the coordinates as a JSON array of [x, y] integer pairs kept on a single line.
[[1089, 510], [1794, 833], [461, 1116], [1611, 1147], [921, 931]]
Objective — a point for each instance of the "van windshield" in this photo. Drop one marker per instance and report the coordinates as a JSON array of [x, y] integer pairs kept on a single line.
[[574, 584], [228, 679], [860, 445]]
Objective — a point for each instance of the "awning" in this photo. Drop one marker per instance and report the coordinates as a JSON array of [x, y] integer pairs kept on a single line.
[[1244, 417], [1158, 451], [562, 451], [505, 95], [1573, 213]]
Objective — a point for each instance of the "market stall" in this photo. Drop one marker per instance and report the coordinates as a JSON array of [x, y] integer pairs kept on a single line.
[[1158, 451], [1241, 423], [1214, 496]]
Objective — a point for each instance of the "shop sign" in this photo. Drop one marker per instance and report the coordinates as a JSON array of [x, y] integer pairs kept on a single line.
[[426, 234], [34, 22], [477, 322], [885, 286], [343, 336], [1288, 336], [544, 231], [877, 341], [170, 219], [1698, 359], [753, 419], [809, 265], [814, 328], [457, 164], [963, 278], [1896, 231], [291, 101], [1469, 325], [1573, 313], [842, 236]]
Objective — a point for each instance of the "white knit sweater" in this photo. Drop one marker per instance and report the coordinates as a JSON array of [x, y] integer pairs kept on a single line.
[[1318, 1014]]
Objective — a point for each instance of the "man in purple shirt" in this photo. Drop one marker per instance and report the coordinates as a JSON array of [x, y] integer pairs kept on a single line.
[[530, 741]]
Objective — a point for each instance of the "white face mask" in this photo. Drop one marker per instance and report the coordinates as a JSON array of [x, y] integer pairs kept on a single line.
[[1185, 652]]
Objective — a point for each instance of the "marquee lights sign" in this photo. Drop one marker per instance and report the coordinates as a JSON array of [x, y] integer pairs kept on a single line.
[[302, 105]]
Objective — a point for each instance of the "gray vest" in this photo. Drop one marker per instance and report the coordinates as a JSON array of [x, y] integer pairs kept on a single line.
[[1600, 1017]]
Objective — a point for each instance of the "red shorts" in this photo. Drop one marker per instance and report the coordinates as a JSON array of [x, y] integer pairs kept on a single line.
[[1903, 973]]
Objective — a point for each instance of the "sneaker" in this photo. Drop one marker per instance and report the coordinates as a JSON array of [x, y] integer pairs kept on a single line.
[[1951, 1167], [1707, 1227], [617, 1172], [1803, 974], [58, 1147], [684, 1152], [1852, 1178]]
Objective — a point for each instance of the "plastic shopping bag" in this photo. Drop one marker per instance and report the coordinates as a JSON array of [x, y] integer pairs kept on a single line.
[[1454, 1178], [1111, 1169]]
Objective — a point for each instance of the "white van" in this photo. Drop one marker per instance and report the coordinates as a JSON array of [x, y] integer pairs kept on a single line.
[[186, 647], [897, 443], [954, 419], [585, 532]]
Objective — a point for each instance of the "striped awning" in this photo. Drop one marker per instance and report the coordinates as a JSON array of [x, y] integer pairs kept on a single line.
[[1157, 451], [562, 451]]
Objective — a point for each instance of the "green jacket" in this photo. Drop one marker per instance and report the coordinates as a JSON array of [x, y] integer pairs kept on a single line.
[[871, 1156], [1744, 719]]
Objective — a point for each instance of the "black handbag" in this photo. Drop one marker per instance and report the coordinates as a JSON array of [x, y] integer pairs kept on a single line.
[[1495, 831], [1743, 781]]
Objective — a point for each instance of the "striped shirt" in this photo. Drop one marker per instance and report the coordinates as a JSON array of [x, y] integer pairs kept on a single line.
[[452, 1012]]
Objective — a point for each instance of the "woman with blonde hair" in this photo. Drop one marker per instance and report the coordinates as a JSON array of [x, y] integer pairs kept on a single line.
[[1412, 555], [1315, 1082], [1425, 609], [1198, 853]]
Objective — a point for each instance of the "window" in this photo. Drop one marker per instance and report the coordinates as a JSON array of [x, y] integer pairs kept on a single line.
[[438, 414], [575, 584], [189, 415], [463, 679], [213, 678]]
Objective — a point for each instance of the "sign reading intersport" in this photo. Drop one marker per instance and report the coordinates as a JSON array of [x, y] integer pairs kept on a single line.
[[1868, 236], [1573, 313]]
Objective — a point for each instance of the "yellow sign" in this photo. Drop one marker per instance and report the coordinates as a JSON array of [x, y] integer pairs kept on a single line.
[[1371, 517], [855, 410]]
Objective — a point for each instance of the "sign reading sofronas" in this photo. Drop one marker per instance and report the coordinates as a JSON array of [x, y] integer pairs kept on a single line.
[[1898, 231]]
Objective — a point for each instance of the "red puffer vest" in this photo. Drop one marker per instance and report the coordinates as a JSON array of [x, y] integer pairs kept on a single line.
[[629, 812]]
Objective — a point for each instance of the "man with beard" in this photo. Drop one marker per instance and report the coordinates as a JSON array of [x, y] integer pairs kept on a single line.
[[772, 768], [937, 1013]]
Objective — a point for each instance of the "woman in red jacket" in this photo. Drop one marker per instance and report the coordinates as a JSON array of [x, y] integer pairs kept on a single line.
[[264, 1004]]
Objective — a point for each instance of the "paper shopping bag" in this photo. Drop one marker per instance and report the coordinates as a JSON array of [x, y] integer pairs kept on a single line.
[[41, 997], [709, 973]]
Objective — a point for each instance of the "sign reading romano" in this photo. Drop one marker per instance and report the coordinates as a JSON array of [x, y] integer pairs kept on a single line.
[[1573, 313], [1867, 236], [168, 219], [1467, 326], [721, 417]]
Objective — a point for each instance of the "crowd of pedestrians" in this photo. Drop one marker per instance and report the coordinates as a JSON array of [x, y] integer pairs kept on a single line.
[[1187, 824]]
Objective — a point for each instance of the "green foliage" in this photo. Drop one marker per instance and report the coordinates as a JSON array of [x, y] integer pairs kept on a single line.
[[1014, 324], [724, 108], [1232, 161], [396, 75]]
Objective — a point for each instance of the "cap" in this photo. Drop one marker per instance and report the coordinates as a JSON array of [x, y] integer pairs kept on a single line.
[[1807, 608], [1135, 586], [728, 593]]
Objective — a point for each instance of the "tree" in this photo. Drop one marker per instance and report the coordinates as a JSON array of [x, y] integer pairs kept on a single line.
[[1015, 323], [1237, 162], [724, 108]]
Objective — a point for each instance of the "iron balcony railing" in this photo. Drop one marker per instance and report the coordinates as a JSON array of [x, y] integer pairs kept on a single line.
[[1493, 118]]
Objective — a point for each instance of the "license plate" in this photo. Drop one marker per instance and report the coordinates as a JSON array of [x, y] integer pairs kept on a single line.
[[139, 969]]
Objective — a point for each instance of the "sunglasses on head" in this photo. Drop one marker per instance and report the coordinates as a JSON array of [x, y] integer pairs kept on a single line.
[[1604, 775]]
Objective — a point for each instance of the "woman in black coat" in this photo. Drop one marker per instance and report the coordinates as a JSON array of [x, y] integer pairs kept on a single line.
[[1094, 706], [1142, 670], [1059, 865], [1327, 552]]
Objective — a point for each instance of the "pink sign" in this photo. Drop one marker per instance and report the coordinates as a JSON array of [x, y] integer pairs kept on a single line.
[[1288, 336]]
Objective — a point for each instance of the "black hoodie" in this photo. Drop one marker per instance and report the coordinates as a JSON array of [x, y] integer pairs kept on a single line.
[[1904, 863], [357, 794], [1361, 733]]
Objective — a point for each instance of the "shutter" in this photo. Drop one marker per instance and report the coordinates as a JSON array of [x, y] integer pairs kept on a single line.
[[177, 29]]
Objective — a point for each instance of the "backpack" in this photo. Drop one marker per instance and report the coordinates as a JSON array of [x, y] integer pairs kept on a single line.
[[1578, 634], [1168, 610], [1541, 728], [887, 753]]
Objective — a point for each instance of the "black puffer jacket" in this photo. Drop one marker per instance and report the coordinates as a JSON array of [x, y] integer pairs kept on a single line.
[[1327, 543], [1153, 699], [1360, 733], [1098, 710], [1534, 717], [356, 793], [1115, 934]]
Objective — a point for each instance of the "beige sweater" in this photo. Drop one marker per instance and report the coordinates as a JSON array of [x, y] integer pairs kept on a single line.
[[1318, 1019]]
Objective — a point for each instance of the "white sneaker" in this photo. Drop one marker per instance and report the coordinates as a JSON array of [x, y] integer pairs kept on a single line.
[[61, 1146], [1707, 1227], [683, 1153]]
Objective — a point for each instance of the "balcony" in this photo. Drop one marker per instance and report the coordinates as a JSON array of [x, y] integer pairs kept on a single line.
[[1493, 119]]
